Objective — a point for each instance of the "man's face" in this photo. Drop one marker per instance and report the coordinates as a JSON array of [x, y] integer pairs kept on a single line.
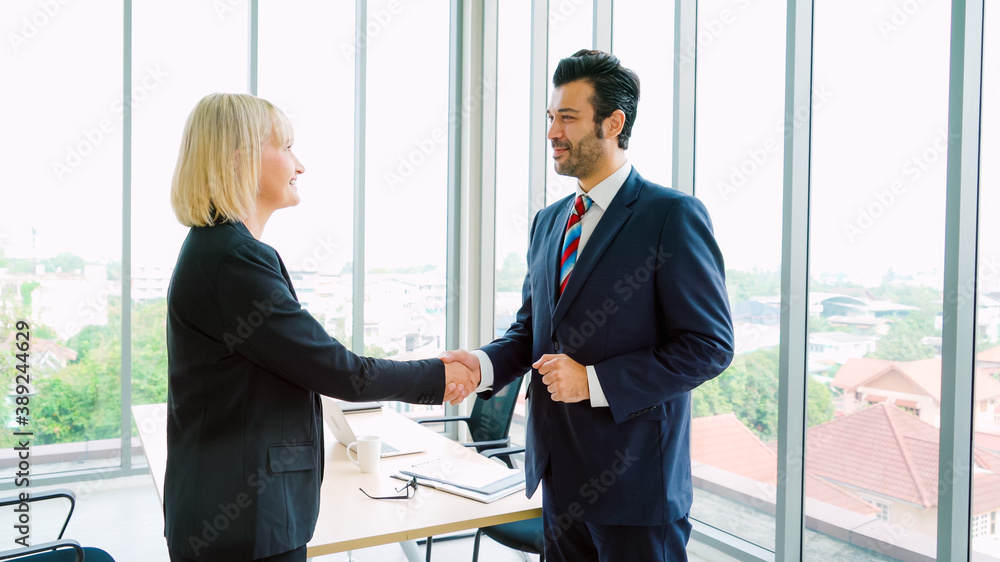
[[576, 149]]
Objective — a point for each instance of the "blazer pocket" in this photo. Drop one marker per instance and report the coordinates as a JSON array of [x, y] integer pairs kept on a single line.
[[291, 458]]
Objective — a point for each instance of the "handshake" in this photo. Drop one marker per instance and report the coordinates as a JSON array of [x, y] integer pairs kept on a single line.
[[565, 379], [461, 375]]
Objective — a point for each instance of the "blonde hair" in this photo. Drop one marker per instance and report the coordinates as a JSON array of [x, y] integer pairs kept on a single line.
[[218, 168]]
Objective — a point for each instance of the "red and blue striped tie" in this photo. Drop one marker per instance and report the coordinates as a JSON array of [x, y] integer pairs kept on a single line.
[[572, 240]]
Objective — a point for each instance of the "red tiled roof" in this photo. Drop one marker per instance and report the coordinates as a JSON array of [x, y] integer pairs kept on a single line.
[[880, 448], [724, 442], [992, 355], [985, 492], [925, 374]]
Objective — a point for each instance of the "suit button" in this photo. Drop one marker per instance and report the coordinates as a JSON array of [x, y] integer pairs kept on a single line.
[[556, 346]]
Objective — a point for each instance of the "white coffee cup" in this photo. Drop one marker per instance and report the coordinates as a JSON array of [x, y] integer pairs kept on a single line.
[[368, 449]]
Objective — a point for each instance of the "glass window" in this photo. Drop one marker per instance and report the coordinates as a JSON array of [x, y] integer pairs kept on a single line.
[[986, 413], [571, 28], [738, 175], [876, 246], [61, 232], [306, 67], [513, 223], [643, 40], [406, 180]]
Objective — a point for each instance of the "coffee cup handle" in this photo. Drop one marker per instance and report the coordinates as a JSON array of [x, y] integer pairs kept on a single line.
[[355, 460]]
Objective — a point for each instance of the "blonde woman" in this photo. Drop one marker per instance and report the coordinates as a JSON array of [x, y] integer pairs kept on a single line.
[[246, 363]]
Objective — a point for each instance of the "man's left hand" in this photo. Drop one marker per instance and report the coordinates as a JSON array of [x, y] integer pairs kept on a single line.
[[566, 379]]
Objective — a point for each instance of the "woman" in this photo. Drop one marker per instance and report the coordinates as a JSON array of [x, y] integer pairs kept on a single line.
[[246, 363]]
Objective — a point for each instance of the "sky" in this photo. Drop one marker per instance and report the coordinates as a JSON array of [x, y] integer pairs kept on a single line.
[[879, 116]]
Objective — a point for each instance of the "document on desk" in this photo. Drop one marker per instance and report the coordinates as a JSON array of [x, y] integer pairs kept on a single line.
[[478, 481]]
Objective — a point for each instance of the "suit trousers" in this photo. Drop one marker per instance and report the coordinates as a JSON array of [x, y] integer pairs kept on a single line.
[[570, 540]]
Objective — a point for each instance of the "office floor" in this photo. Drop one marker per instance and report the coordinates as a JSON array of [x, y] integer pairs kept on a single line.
[[124, 517]]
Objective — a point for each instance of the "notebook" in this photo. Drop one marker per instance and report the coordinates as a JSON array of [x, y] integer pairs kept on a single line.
[[335, 418], [478, 481]]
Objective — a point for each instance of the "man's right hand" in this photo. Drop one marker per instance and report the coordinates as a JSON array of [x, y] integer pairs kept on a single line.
[[463, 362]]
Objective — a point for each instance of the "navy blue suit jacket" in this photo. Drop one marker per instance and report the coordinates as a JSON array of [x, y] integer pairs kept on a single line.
[[245, 425], [647, 306]]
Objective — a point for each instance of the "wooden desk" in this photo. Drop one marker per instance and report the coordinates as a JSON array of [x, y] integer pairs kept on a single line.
[[347, 519]]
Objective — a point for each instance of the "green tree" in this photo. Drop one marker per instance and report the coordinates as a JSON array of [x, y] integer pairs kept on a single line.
[[748, 389], [745, 284], [819, 403], [67, 262], [902, 343], [510, 276]]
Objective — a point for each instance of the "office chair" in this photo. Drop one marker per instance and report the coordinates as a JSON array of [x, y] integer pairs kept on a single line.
[[489, 422], [59, 550], [527, 535]]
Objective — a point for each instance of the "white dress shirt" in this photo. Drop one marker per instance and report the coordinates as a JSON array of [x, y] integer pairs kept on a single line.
[[601, 194]]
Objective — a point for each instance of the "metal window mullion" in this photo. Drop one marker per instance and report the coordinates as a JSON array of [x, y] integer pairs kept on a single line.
[[603, 25], [453, 259], [960, 287], [685, 84], [126, 294], [483, 313], [537, 122], [360, 137], [253, 35], [794, 283]]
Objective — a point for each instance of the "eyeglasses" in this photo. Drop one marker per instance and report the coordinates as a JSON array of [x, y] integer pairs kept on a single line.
[[407, 490]]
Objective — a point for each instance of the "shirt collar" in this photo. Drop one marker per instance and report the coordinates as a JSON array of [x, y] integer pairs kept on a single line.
[[604, 192]]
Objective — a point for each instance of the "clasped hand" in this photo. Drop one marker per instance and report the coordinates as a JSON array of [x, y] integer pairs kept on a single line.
[[565, 379], [459, 380]]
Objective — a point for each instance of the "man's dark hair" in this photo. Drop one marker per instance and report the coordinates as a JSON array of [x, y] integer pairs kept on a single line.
[[615, 87]]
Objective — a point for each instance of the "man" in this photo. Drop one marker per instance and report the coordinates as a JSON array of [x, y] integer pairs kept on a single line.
[[625, 311]]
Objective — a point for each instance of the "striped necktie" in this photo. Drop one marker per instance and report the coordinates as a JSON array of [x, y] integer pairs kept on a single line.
[[572, 240]]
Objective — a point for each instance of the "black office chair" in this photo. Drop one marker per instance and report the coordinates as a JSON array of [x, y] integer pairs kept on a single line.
[[527, 535], [59, 550], [490, 420]]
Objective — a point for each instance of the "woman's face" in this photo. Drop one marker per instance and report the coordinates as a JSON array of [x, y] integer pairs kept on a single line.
[[279, 169]]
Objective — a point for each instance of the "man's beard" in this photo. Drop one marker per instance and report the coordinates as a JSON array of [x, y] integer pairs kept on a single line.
[[583, 158]]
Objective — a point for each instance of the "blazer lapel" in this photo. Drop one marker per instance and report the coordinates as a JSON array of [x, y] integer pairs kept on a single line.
[[614, 218]]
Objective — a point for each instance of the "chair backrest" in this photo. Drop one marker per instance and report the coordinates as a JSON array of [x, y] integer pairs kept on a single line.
[[490, 419]]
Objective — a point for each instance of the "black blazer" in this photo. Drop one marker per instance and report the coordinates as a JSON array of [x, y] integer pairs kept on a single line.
[[244, 432]]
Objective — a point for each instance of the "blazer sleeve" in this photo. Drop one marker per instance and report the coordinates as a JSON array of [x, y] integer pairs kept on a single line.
[[694, 324], [265, 323]]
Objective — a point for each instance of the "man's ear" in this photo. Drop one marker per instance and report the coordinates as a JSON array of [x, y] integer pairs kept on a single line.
[[614, 124]]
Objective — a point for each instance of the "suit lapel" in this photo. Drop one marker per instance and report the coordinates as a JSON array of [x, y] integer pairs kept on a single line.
[[614, 218]]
